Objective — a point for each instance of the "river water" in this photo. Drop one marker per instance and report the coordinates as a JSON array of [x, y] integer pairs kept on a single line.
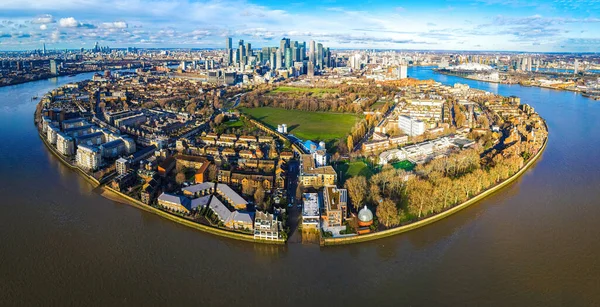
[[535, 243]]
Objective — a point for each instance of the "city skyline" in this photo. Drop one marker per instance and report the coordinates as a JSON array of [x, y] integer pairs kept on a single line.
[[534, 26]]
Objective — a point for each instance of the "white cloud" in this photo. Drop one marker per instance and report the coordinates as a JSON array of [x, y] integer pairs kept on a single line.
[[114, 25], [68, 22], [43, 19], [43, 27]]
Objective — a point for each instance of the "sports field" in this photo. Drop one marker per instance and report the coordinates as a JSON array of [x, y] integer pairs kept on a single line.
[[321, 126]]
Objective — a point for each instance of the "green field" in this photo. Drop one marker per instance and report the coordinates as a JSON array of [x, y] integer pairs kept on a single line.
[[300, 90], [234, 124], [316, 126], [405, 165], [358, 168]]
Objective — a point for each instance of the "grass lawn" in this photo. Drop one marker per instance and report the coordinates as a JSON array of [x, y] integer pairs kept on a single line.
[[405, 165], [234, 124], [317, 126], [358, 168], [353, 169]]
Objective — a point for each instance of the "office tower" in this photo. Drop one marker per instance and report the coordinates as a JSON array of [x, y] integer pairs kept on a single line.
[[284, 43], [241, 55], [311, 52], [402, 72], [320, 56], [302, 53], [44, 53], [288, 57], [248, 50], [241, 42], [278, 59], [228, 51], [53, 67], [327, 60], [311, 69], [576, 67], [272, 60]]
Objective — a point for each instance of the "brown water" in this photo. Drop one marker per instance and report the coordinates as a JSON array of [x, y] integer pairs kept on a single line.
[[534, 243]]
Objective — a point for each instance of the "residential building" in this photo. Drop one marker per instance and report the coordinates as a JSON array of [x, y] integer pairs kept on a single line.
[[335, 206], [310, 210], [411, 126], [266, 226], [88, 157]]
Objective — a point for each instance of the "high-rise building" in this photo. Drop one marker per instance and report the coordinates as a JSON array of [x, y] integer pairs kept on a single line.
[[248, 49], [311, 52], [44, 52], [288, 57], [228, 43], [278, 59], [576, 67], [272, 61], [53, 67], [320, 56], [402, 72], [311, 69]]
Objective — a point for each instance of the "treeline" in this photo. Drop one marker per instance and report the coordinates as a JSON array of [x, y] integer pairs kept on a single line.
[[400, 198], [342, 101]]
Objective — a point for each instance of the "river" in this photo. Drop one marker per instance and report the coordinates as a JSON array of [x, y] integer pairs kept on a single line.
[[534, 243]]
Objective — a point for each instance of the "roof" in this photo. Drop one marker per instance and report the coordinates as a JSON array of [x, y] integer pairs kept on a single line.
[[199, 187], [310, 205], [232, 196], [200, 202], [219, 209], [241, 217], [175, 199], [89, 136], [112, 144]]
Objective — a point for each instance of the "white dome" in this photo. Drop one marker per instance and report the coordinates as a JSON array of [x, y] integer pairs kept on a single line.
[[365, 215]]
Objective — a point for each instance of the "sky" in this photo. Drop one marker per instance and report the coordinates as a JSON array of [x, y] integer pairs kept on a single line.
[[503, 25]]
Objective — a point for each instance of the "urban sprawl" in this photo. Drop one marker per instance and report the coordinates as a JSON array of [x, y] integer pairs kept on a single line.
[[296, 141]]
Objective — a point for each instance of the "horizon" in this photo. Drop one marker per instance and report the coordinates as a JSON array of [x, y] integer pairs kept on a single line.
[[559, 26]]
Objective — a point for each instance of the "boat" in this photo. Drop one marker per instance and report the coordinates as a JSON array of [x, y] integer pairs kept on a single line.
[[34, 97]]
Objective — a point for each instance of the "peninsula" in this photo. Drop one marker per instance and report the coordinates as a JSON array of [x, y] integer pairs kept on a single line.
[[331, 153]]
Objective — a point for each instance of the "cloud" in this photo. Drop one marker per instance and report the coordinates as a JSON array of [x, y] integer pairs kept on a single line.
[[43, 19], [68, 22], [114, 25], [43, 27]]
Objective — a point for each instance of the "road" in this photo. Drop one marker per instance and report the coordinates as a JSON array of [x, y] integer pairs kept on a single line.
[[294, 213]]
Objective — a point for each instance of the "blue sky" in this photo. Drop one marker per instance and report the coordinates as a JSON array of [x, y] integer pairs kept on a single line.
[[536, 26]]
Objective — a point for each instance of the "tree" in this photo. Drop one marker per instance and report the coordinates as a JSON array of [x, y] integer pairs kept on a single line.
[[259, 196], [350, 143], [357, 189], [387, 213], [212, 172], [180, 178]]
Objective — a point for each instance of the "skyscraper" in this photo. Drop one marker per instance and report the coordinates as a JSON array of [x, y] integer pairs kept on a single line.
[[228, 51], [53, 67], [320, 56], [311, 52], [288, 57], [278, 59]]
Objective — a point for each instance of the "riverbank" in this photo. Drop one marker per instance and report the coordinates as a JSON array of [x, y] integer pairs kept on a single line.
[[525, 85], [117, 196], [439, 216]]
